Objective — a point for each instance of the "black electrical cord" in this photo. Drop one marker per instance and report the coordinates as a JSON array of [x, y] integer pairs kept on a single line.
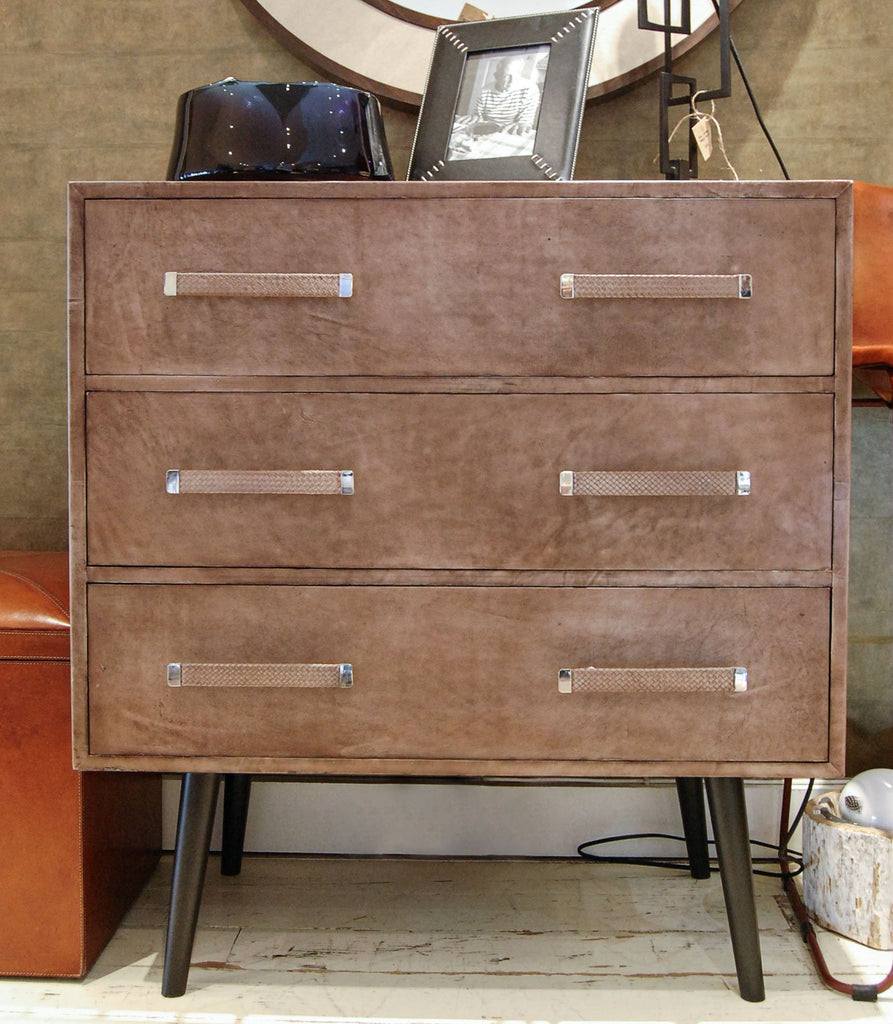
[[753, 101], [682, 864], [677, 863]]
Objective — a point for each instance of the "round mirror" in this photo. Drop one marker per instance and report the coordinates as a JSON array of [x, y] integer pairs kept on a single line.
[[432, 13], [385, 47]]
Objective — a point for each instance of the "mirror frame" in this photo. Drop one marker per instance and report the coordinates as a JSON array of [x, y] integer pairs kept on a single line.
[[431, 21], [382, 51]]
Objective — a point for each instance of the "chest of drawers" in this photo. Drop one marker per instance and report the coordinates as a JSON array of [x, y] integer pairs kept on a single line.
[[461, 479], [704, 440]]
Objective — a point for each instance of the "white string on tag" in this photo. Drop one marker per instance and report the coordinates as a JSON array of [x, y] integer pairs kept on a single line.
[[702, 129]]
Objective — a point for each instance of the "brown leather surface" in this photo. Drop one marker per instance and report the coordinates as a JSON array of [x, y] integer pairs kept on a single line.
[[452, 383], [460, 481], [483, 268], [253, 575], [873, 285], [872, 274], [34, 619], [453, 672], [121, 844], [40, 859], [75, 848]]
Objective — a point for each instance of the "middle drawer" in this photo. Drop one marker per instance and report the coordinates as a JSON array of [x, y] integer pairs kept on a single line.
[[460, 481]]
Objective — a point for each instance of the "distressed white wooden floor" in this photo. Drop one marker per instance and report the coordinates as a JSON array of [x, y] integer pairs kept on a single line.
[[298, 940]]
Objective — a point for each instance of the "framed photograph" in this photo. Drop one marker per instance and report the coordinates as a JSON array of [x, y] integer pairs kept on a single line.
[[504, 99]]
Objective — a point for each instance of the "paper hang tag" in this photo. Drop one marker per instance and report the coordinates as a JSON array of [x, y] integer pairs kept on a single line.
[[703, 134], [471, 13]]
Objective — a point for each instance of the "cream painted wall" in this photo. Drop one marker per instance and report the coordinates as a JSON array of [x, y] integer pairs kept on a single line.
[[88, 90]]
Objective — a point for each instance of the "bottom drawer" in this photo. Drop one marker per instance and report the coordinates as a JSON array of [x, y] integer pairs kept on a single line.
[[458, 673]]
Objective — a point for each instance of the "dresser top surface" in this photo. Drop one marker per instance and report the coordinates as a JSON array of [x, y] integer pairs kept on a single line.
[[830, 189]]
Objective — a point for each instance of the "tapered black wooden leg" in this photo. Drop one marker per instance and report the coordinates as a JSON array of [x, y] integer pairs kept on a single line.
[[729, 816], [198, 801], [694, 823], [236, 796]]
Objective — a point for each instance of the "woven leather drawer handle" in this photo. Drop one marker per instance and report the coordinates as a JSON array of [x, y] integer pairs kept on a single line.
[[656, 286], [652, 680], [259, 286], [654, 483], [259, 481], [285, 676]]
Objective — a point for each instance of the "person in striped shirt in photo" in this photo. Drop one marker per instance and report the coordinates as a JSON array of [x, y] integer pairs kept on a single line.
[[511, 105]]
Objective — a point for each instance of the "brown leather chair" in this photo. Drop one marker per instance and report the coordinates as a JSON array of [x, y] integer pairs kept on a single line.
[[873, 287], [873, 366], [75, 848]]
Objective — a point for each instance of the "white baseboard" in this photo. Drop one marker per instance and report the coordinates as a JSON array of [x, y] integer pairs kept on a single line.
[[458, 819]]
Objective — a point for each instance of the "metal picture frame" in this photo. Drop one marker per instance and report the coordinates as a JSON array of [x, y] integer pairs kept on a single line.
[[504, 99]]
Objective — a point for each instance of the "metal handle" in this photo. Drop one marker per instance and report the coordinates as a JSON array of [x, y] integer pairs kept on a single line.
[[259, 286], [652, 680], [259, 481], [654, 483], [251, 675], [656, 286]]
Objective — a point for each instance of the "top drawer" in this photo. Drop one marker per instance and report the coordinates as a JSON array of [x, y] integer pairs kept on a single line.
[[456, 286]]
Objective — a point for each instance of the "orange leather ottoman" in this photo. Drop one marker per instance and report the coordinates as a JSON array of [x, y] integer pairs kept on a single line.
[[75, 847]]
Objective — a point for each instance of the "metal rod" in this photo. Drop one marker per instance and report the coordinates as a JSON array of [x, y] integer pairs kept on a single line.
[[729, 815], [860, 993], [694, 824], [198, 801], [236, 798]]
